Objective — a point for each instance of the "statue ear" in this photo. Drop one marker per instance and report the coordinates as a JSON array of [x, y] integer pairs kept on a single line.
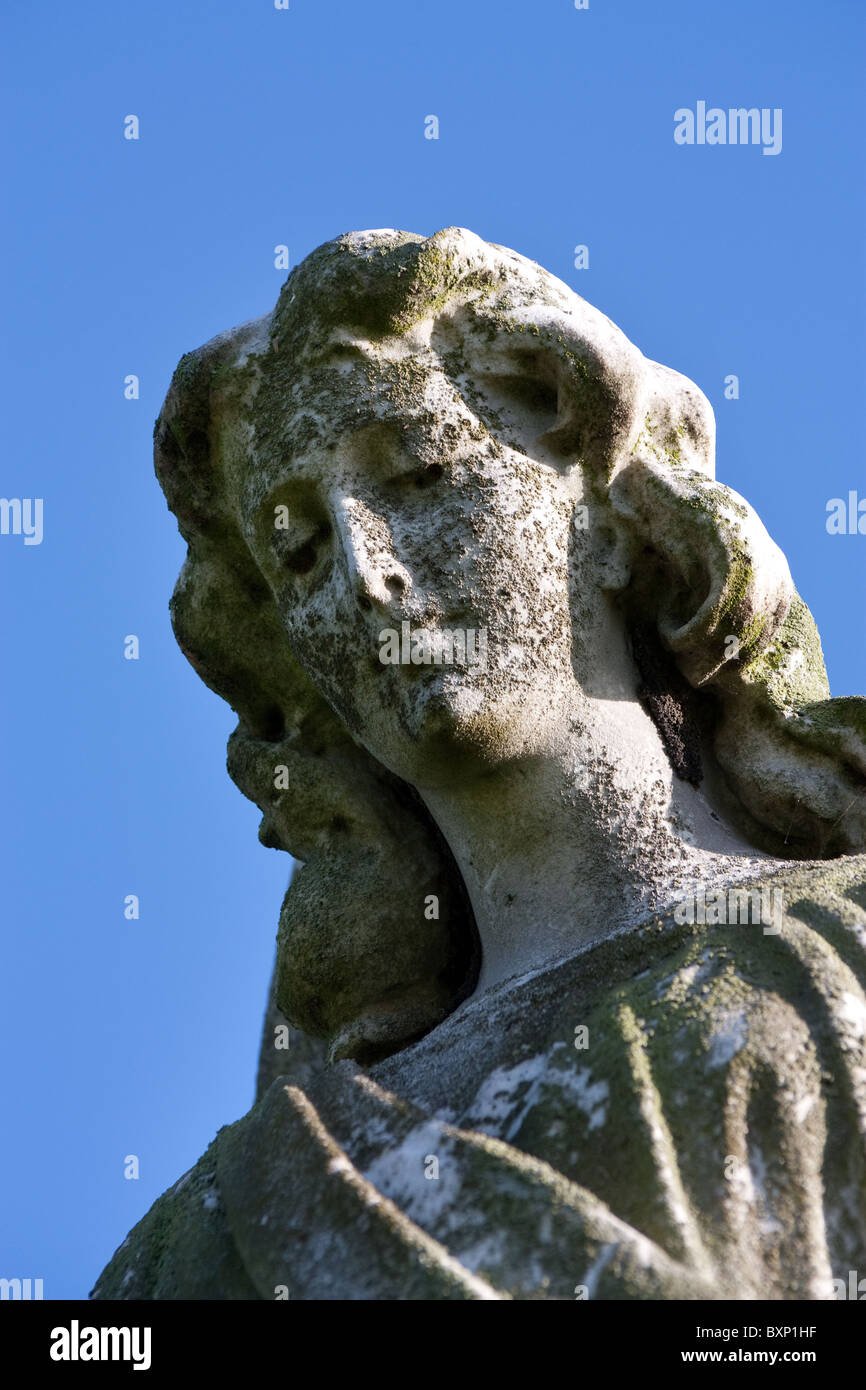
[[719, 587]]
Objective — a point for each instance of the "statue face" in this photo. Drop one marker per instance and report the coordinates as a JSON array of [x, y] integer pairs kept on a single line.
[[444, 509]]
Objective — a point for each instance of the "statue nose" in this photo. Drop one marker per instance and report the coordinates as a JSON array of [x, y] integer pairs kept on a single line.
[[384, 585], [377, 577]]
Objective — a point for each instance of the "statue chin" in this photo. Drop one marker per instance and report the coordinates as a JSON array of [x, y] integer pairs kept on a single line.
[[504, 1055], [450, 739]]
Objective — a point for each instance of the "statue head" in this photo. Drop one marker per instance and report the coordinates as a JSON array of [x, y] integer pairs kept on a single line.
[[440, 513]]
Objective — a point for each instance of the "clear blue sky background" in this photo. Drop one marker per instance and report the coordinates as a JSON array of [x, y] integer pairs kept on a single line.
[[261, 127]]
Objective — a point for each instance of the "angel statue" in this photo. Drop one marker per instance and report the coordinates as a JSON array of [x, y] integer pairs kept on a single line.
[[575, 952]]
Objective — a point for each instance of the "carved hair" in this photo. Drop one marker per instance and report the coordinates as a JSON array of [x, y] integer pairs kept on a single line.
[[728, 653]]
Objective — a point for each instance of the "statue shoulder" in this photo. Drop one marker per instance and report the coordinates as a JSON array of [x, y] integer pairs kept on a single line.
[[499, 1156], [182, 1248]]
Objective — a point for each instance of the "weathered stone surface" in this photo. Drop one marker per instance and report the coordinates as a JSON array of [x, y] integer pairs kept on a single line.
[[436, 436], [703, 1145]]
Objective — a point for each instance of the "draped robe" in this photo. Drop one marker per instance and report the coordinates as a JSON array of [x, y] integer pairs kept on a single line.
[[675, 1112]]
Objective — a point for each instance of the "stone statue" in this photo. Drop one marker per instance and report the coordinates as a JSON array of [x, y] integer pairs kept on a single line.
[[576, 953]]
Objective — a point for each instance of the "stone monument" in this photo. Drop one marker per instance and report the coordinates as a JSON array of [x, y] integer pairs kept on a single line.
[[575, 955]]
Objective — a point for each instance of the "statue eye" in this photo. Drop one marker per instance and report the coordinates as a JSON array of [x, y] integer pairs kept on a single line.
[[299, 558], [429, 475], [418, 479], [534, 397], [524, 404]]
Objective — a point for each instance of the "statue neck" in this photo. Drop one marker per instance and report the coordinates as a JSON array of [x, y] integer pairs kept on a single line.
[[560, 850]]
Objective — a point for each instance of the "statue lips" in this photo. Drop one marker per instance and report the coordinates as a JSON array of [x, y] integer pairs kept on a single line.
[[433, 696], [460, 646]]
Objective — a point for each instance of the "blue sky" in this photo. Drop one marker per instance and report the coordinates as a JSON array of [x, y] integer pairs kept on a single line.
[[261, 127]]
